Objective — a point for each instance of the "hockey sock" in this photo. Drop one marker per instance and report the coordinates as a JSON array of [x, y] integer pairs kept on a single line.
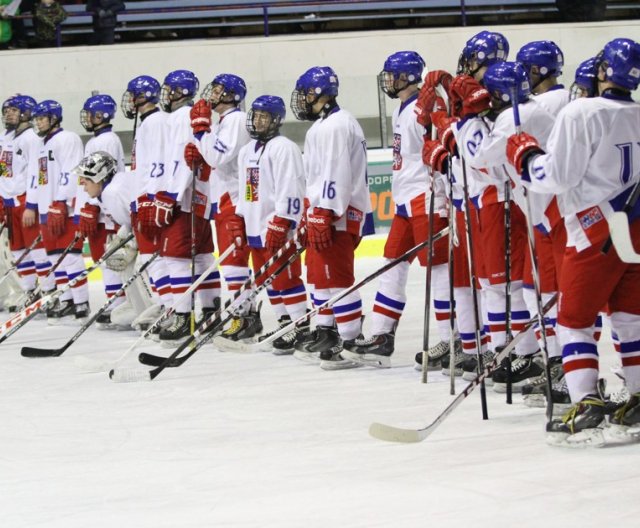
[[325, 316], [579, 361], [295, 301], [73, 265], [466, 321], [26, 270], [390, 299], [627, 328], [348, 314], [441, 300], [550, 320]]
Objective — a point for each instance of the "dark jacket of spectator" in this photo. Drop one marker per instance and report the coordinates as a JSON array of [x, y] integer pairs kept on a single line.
[[105, 12]]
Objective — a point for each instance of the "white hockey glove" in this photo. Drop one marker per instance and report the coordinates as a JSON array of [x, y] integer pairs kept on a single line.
[[125, 255]]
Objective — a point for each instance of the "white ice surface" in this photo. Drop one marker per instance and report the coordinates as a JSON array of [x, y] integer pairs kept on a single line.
[[232, 440]]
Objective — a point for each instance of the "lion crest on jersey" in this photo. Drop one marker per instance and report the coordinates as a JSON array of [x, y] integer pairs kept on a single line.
[[43, 177], [6, 162], [252, 182]]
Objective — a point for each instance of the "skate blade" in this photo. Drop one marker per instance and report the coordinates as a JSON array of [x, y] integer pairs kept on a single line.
[[283, 352], [369, 360], [418, 367], [501, 388], [172, 343], [593, 437], [339, 365], [307, 357], [624, 432], [456, 372]]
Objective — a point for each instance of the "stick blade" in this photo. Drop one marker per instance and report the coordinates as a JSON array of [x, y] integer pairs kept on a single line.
[[389, 433], [128, 375], [227, 345], [32, 352], [619, 227]]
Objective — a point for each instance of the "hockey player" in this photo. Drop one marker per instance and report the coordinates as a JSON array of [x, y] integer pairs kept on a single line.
[[176, 206], [219, 145], [543, 61], [589, 164], [95, 116], [270, 201], [140, 100], [59, 153], [400, 79], [338, 213], [18, 163]]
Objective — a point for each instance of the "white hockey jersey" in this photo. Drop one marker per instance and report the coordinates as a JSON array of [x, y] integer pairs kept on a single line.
[[591, 160], [14, 167], [410, 177], [271, 183], [148, 156], [58, 155], [179, 184], [104, 140], [116, 198], [220, 149], [335, 160]]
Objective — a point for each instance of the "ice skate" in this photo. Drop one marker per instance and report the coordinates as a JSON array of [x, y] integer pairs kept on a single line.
[[179, 330], [61, 314], [524, 370], [322, 338], [470, 364], [434, 356], [625, 422], [458, 358], [375, 351], [242, 328], [581, 426], [81, 312], [334, 359]]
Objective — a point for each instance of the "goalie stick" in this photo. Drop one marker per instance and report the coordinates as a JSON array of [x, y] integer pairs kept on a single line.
[[34, 352], [621, 237], [210, 325], [92, 365], [390, 433], [237, 346], [21, 318]]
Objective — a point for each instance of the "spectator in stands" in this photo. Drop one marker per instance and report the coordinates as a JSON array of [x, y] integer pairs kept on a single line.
[[5, 23], [105, 17], [582, 10], [47, 17]]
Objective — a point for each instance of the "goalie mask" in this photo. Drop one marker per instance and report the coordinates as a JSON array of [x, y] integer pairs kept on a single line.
[[484, 49], [47, 115], [265, 117], [310, 87], [101, 108], [225, 88], [140, 91], [99, 167], [400, 70], [179, 88]]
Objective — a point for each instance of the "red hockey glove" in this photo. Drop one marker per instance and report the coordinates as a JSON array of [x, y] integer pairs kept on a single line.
[[320, 229], [434, 155], [443, 123], [436, 77], [192, 156], [520, 147], [301, 231], [201, 117], [427, 102], [57, 218], [146, 217], [468, 96], [164, 206], [277, 231], [234, 225], [89, 220]]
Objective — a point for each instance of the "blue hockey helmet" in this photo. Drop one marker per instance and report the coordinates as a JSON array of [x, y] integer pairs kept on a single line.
[[585, 84], [316, 82], [406, 66], [101, 106], [178, 85], [225, 88], [483, 49], [620, 60], [545, 55], [25, 105], [50, 109], [265, 117], [144, 87], [506, 80]]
